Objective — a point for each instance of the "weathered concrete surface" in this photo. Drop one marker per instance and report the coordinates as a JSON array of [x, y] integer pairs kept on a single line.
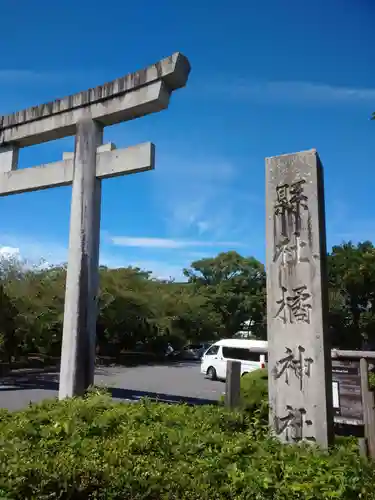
[[300, 379], [82, 280], [110, 146], [139, 102], [233, 384], [169, 383], [8, 158], [109, 163], [136, 94]]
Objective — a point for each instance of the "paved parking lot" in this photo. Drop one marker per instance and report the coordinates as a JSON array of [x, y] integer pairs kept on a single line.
[[175, 382]]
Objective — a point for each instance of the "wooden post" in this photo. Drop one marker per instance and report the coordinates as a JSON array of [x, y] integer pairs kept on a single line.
[[368, 408], [362, 445], [232, 384]]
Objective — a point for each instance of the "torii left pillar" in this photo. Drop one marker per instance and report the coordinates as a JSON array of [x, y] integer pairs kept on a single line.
[[82, 280], [84, 169]]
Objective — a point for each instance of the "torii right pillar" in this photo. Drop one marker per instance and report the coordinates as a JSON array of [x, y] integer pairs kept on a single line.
[[299, 361]]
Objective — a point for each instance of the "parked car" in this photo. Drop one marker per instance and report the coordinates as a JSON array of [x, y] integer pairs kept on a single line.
[[214, 360], [194, 351]]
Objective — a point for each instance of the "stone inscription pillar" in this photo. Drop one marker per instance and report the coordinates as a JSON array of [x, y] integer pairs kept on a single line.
[[299, 362]]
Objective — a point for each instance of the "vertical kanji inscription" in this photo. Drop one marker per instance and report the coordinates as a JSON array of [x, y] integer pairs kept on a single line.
[[299, 355]]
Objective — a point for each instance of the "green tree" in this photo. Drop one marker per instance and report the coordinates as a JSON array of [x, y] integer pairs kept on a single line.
[[351, 272], [8, 337], [220, 295], [127, 312], [234, 285], [39, 298], [192, 315]]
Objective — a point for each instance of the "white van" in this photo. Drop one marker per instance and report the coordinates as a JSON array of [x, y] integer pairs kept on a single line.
[[214, 360]]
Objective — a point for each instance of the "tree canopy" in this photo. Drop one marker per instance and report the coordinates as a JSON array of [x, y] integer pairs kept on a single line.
[[234, 286], [220, 295]]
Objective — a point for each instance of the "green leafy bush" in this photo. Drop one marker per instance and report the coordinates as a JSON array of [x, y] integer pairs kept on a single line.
[[254, 390], [371, 380], [95, 448], [254, 394]]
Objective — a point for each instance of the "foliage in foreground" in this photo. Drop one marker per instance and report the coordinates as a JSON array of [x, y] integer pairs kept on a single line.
[[254, 392], [95, 448], [254, 395]]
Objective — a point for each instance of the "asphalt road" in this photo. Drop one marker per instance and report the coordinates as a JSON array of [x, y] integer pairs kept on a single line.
[[171, 383]]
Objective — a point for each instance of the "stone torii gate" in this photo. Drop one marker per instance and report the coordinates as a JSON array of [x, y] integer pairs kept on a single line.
[[85, 115]]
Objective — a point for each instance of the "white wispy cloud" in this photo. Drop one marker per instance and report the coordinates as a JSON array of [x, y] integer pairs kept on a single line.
[[293, 91], [200, 196], [166, 243], [48, 253], [198, 200], [9, 252], [162, 270], [159, 269], [32, 250]]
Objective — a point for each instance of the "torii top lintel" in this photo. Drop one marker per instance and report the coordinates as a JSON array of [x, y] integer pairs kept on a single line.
[[131, 96]]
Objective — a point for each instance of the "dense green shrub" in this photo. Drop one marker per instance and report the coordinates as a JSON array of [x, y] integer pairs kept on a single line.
[[254, 389], [95, 448], [371, 380], [254, 394]]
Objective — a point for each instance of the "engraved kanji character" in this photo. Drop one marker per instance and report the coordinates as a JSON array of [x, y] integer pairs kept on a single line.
[[299, 365], [287, 252], [297, 196], [294, 424], [281, 312], [297, 201], [282, 204], [298, 306]]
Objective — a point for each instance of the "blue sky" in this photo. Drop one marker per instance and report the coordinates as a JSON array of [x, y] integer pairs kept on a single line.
[[268, 77]]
